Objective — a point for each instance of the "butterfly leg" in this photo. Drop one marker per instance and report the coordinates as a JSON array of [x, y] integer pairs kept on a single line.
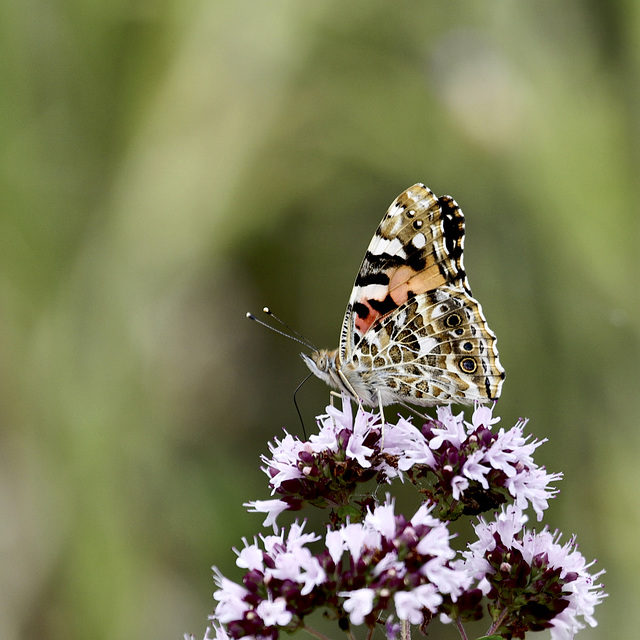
[[405, 630], [332, 395], [423, 416], [348, 387]]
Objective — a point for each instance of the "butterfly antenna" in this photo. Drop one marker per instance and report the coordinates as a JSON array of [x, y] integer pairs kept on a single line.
[[293, 335], [304, 339], [295, 402]]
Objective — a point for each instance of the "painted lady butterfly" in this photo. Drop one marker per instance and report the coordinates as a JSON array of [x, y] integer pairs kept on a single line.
[[412, 332]]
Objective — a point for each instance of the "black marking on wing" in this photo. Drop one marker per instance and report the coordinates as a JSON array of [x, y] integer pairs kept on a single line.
[[453, 226], [361, 310], [383, 306], [373, 263], [453, 234], [374, 266], [365, 279], [417, 260]]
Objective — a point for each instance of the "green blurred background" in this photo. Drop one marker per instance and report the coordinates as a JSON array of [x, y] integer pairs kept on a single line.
[[167, 166]]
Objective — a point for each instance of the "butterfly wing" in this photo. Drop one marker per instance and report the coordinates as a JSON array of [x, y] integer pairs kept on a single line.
[[435, 349], [395, 338], [417, 248]]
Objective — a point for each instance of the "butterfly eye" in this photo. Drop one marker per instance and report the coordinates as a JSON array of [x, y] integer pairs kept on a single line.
[[468, 365]]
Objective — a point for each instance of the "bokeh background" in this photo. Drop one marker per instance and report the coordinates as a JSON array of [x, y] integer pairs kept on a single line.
[[166, 166]]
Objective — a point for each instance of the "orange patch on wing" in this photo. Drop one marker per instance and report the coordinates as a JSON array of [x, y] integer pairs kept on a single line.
[[405, 279]]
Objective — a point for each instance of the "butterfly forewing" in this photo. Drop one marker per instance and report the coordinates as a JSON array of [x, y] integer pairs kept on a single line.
[[417, 247]]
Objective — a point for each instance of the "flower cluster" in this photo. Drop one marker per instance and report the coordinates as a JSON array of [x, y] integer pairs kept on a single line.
[[364, 569], [472, 469], [326, 470], [532, 581], [373, 566]]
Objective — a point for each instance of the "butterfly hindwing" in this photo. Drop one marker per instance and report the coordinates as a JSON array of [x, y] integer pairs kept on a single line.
[[436, 348]]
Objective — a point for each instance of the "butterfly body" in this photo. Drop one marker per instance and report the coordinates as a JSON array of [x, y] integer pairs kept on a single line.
[[412, 332]]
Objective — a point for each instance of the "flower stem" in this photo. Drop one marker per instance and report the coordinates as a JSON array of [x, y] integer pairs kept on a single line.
[[496, 625], [405, 630], [461, 631], [316, 634]]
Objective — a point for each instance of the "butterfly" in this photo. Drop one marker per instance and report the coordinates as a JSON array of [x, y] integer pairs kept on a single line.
[[412, 332]]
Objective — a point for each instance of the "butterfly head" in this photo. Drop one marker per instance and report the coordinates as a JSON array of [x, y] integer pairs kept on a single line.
[[322, 364]]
